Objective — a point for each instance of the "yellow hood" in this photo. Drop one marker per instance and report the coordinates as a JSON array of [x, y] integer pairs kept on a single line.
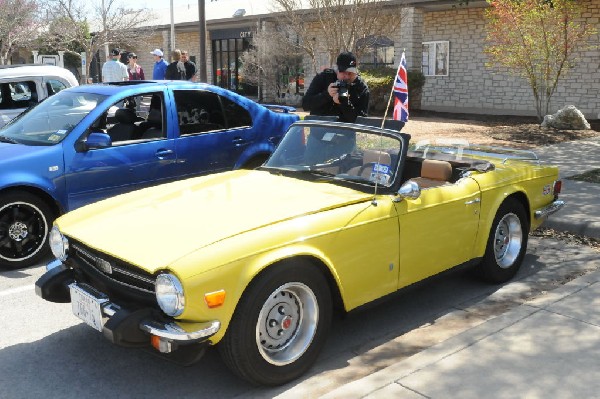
[[153, 227]]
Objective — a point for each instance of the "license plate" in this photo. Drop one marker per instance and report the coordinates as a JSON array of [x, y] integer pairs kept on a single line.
[[87, 306]]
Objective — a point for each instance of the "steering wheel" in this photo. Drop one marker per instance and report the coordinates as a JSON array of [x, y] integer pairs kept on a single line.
[[333, 161], [365, 166]]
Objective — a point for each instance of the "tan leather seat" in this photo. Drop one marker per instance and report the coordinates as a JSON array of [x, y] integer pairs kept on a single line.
[[370, 157], [434, 173]]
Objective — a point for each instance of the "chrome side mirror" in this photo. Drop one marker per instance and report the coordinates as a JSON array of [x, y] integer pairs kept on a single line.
[[410, 190]]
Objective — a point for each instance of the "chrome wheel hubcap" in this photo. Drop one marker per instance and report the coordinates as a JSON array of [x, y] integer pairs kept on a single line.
[[508, 240], [287, 323], [18, 231]]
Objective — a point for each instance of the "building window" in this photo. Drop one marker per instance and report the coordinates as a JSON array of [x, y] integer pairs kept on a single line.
[[227, 64], [376, 51], [435, 58]]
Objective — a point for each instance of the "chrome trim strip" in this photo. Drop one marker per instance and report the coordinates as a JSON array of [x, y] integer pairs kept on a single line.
[[549, 210], [173, 332]]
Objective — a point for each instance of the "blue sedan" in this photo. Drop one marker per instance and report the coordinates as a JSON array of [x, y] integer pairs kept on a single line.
[[91, 142]]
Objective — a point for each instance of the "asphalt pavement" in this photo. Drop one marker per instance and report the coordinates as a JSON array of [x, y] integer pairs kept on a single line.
[[547, 347]]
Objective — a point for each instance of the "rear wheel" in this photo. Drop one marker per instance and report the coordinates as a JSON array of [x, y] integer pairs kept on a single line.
[[507, 243], [280, 325], [25, 222]]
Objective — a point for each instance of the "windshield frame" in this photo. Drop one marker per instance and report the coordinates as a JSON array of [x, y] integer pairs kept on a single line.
[[319, 173]]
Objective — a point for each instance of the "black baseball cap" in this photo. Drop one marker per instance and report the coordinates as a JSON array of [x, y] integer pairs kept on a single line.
[[115, 51], [346, 62]]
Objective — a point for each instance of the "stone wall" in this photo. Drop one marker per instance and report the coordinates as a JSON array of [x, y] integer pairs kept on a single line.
[[471, 87]]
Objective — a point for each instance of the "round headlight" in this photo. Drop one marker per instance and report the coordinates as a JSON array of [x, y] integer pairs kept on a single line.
[[58, 244], [169, 294]]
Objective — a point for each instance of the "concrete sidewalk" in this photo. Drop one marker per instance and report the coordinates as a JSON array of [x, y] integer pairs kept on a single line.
[[546, 348], [581, 215]]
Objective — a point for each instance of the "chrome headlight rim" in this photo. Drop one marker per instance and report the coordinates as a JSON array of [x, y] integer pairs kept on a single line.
[[169, 294], [59, 244]]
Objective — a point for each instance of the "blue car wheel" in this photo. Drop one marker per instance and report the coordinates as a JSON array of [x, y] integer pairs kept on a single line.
[[25, 222]]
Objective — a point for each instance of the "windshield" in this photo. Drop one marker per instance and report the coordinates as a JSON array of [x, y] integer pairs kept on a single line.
[[338, 152], [52, 120]]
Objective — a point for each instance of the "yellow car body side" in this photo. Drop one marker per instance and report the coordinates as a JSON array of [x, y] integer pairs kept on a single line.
[[371, 248]]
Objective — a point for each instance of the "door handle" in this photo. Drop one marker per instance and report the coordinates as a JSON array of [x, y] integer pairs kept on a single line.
[[473, 201], [161, 154], [238, 141]]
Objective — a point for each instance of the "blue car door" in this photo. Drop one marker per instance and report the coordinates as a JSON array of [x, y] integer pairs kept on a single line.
[[209, 141], [145, 157]]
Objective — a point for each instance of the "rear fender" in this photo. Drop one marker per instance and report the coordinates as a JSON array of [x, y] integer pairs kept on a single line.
[[488, 212]]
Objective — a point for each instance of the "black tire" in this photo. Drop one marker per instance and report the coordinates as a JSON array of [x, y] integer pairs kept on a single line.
[[507, 243], [25, 222], [264, 343]]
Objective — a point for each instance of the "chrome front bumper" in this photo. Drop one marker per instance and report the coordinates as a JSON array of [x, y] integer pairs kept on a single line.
[[549, 210], [122, 326]]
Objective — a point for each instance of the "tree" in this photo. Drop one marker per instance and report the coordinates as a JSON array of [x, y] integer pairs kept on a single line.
[[110, 23], [267, 64], [19, 25], [538, 40], [342, 25]]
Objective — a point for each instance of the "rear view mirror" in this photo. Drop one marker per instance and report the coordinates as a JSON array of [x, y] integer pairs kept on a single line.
[[94, 141]]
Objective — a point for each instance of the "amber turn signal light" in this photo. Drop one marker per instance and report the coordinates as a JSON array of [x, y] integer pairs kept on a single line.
[[215, 299]]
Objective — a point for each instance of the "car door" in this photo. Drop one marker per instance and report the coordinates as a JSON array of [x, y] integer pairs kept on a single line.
[[438, 229], [213, 132], [97, 173]]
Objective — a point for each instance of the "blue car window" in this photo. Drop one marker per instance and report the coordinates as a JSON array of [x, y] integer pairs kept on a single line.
[[52, 120], [198, 111], [235, 114]]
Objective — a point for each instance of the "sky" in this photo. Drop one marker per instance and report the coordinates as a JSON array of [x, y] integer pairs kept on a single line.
[[159, 4]]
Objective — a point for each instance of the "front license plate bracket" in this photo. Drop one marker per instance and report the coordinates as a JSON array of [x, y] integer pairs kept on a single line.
[[87, 305]]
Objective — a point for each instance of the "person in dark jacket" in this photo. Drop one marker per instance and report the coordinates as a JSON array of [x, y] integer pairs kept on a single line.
[[339, 91], [176, 69]]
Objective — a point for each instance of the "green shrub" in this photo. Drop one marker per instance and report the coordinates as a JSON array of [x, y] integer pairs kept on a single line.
[[381, 80]]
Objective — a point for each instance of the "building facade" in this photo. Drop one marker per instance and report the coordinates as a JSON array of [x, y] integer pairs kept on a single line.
[[441, 39]]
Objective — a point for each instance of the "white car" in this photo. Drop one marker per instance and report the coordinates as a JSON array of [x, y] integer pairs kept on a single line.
[[22, 86]]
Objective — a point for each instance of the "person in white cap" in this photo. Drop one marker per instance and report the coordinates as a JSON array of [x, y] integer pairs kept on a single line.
[[114, 70], [160, 65]]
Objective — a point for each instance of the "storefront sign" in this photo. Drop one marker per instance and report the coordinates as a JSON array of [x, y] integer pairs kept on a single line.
[[235, 33]]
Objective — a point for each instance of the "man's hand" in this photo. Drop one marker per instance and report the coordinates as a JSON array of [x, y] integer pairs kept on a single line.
[[333, 93]]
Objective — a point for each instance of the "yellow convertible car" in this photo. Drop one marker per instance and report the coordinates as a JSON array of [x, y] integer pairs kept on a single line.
[[257, 262]]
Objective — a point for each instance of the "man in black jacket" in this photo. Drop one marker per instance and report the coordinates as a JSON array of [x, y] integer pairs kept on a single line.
[[338, 92]]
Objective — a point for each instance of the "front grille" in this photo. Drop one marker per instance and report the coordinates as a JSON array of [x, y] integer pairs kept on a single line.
[[111, 275]]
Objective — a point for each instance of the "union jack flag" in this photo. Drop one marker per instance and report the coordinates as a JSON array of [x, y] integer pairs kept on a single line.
[[401, 92]]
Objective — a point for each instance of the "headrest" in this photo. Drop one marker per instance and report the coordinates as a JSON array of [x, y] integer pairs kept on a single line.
[[125, 115], [155, 116], [436, 170], [376, 157]]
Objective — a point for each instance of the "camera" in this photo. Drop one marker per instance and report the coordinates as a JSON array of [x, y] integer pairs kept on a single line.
[[342, 87]]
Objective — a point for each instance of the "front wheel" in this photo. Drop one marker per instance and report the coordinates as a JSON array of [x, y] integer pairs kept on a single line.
[[25, 222], [507, 243], [280, 325]]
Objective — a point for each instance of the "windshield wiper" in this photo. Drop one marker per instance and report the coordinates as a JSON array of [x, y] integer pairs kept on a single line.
[[302, 169], [5, 139]]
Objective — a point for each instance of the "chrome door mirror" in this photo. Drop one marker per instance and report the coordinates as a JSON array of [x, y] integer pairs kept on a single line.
[[410, 190]]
